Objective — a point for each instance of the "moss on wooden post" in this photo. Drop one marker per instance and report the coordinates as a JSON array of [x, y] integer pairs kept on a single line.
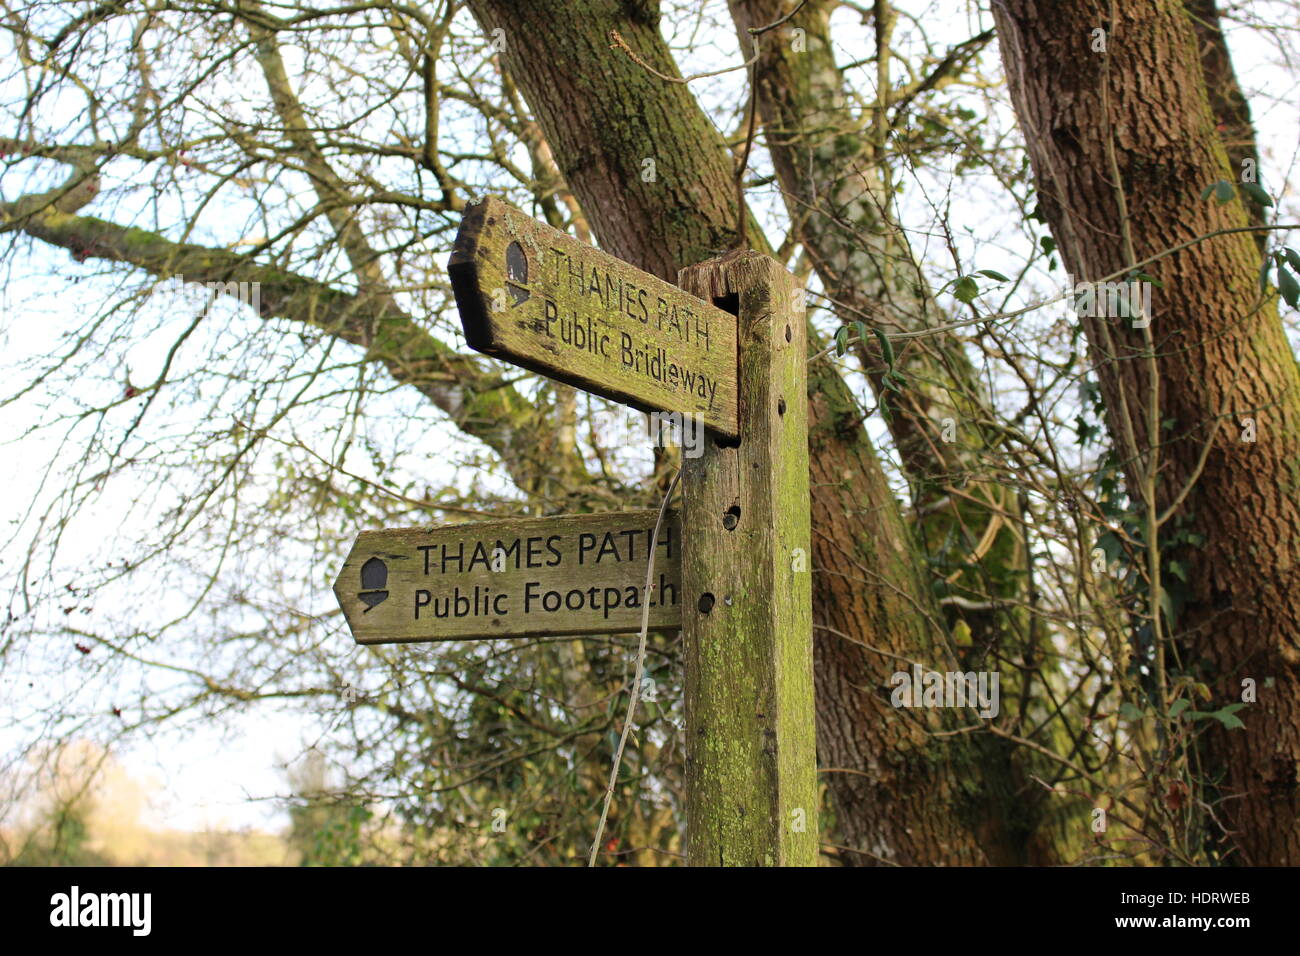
[[747, 590]]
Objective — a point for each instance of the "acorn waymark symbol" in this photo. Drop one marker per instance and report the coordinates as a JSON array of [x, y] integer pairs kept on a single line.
[[517, 272], [374, 578]]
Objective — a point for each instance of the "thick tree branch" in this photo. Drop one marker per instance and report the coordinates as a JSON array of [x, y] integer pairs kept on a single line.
[[483, 405]]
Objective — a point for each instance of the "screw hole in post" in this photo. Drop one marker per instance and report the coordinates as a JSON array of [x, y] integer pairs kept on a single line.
[[706, 602], [788, 334], [780, 406], [731, 518]]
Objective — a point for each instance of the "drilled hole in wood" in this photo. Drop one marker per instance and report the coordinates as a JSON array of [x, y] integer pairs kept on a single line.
[[788, 334], [780, 406], [731, 518], [706, 602]]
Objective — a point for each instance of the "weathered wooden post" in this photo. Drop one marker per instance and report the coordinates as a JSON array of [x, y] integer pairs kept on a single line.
[[747, 594]]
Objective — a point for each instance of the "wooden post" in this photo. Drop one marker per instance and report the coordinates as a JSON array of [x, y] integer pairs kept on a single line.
[[747, 595]]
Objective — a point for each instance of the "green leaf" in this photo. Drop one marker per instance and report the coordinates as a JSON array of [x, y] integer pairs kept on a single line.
[[996, 276], [966, 290], [1129, 712], [1263, 275], [1110, 544], [1180, 705], [1048, 244], [1167, 606], [1208, 189], [841, 340], [1292, 257], [886, 348], [1230, 721], [861, 329], [1289, 288], [1256, 193], [1176, 568], [1223, 192]]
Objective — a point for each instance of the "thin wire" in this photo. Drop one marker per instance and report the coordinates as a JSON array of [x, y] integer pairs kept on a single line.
[[640, 667]]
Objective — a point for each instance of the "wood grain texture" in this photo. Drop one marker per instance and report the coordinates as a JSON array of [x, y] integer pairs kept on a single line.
[[542, 300], [747, 593], [577, 574]]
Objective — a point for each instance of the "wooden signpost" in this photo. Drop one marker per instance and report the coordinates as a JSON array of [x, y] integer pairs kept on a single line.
[[578, 574], [731, 570], [542, 300]]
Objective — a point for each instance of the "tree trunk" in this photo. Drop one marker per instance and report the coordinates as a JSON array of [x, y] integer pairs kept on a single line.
[[1220, 358], [895, 786], [833, 168]]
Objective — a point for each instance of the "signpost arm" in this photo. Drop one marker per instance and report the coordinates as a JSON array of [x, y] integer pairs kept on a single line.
[[747, 591]]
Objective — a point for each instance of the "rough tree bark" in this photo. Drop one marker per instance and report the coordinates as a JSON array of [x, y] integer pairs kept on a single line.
[[1222, 357]]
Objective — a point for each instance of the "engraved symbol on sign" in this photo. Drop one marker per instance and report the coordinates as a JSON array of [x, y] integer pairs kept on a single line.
[[374, 578], [517, 272]]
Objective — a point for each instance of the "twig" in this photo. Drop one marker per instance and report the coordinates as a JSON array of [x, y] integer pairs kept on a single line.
[[618, 43], [742, 211], [759, 31]]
